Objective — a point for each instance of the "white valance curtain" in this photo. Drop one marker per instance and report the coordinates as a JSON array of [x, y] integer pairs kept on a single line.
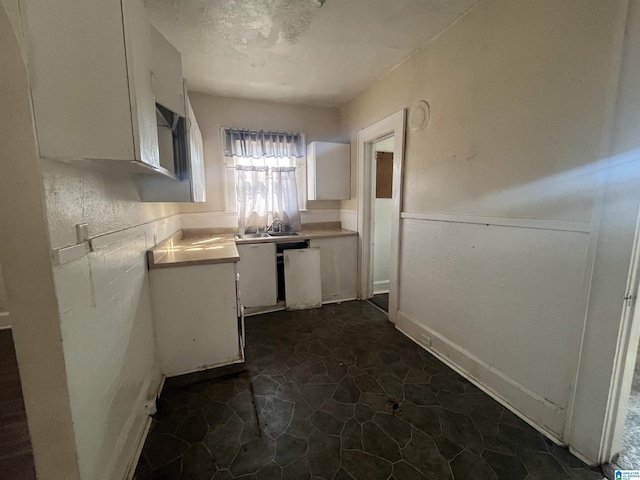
[[265, 177], [261, 144]]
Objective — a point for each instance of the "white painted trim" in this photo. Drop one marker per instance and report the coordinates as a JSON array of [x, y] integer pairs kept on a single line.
[[539, 224], [131, 469], [463, 363], [165, 227], [171, 225], [69, 254], [394, 125], [381, 286], [132, 434], [205, 367], [625, 358], [609, 433], [155, 391], [329, 301]]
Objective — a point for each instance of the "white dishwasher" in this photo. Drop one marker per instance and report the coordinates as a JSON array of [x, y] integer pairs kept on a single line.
[[303, 286]]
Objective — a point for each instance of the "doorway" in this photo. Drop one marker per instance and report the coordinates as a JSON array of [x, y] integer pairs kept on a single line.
[[380, 272], [381, 206]]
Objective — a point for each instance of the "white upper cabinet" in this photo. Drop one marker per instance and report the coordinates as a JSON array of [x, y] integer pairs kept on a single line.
[[91, 79], [167, 74], [196, 156], [328, 171], [191, 188], [137, 35]]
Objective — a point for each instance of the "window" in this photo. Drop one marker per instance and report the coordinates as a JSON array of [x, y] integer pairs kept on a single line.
[[262, 172]]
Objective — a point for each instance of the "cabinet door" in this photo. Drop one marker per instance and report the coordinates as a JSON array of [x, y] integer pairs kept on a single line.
[[338, 267], [137, 28], [196, 156], [302, 278], [195, 317], [258, 277], [328, 171], [167, 74], [79, 83]]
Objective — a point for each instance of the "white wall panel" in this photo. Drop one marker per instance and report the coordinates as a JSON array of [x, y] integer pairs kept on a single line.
[[109, 346], [510, 298]]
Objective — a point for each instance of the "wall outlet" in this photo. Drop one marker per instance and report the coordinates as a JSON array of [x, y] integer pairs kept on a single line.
[[425, 340]]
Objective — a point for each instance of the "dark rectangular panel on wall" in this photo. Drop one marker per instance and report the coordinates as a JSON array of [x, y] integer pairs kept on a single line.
[[384, 174], [16, 457]]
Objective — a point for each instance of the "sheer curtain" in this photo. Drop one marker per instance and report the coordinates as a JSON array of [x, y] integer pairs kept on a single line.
[[265, 176], [285, 198], [252, 189]]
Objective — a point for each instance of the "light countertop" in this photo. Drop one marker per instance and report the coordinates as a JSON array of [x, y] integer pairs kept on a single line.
[[213, 248], [180, 252], [303, 235]]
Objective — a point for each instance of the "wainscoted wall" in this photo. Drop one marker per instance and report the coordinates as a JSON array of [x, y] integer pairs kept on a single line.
[[517, 136], [109, 344], [502, 303]]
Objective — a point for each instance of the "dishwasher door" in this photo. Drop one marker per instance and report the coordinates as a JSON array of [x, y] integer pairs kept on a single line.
[[302, 278]]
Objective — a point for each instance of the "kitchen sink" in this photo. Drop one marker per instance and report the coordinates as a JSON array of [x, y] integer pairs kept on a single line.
[[283, 234], [252, 235]]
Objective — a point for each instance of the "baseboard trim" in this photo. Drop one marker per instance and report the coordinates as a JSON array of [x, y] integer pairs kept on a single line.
[[338, 299], [488, 379], [135, 436], [131, 469]]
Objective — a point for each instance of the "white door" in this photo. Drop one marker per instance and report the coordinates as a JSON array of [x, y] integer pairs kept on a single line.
[[302, 282], [258, 277]]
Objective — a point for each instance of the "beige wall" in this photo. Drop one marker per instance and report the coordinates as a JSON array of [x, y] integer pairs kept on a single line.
[[27, 270], [107, 201], [518, 94], [212, 113], [516, 98]]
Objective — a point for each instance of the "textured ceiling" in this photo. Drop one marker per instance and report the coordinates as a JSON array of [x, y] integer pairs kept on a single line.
[[299, 51]]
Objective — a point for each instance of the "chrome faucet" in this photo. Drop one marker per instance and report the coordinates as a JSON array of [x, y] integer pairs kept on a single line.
[[276, 222]]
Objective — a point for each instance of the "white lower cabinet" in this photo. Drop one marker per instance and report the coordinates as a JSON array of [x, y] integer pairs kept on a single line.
[[258, 275], [338, 267], [196, 314], [302, 278]]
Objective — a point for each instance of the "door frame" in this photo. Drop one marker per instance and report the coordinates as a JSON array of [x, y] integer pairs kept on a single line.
[[392, 125], [625, 358]]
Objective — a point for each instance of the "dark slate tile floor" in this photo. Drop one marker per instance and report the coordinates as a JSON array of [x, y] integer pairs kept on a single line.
[[381, 300], [338, 393]]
